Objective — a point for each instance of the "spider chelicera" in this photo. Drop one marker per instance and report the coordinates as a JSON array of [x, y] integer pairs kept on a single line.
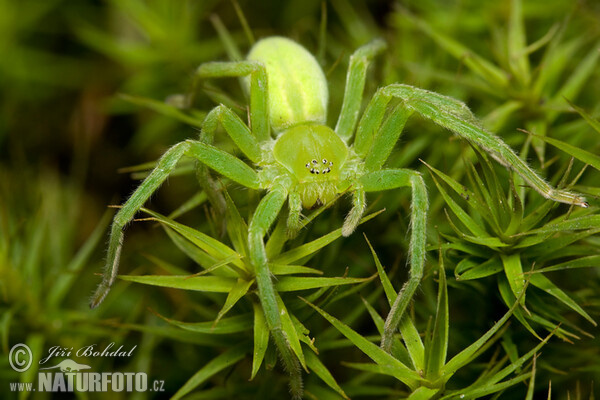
[[293, 155]]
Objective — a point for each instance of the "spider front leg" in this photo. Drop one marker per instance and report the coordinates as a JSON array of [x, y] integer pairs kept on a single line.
[[355, 84], [259, 116], [456, 116], [392, 179], [218, 160], [246, 140], [263, 218]]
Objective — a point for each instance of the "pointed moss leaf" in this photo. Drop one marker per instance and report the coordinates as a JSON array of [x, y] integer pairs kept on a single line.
[[64, 281], [181, 335], [491, 385], [423, 393], [583, 262], [462, 215], [536, 216], [212, 246], [498, 117], [531, 386], [509, 298], [513, 366], [594, 123], [487, 268], [554, 327], [518, 59], [555, 244], [541, 282], [164, 109], [514, 273], [198, 255], [303, 334], [382, 369], [170, 268], [585, 222], [413, 342], [261, 339], [437, 351], [467, 355], [383, 359], [390, 292], [277, 239], [539, 130], [216, 284], [457, 244], [239, 323], [217, 364], [577, 78], [484, 390], [287, 325], [398, 350], [464, 265], [486, 193], [236, 227], [286, 269], [317, 244], [35, 344], [293, 283], [580, 154], [488, 241], [477, 64], [316, 366], [238, 291], [516, 216], [196, 200]]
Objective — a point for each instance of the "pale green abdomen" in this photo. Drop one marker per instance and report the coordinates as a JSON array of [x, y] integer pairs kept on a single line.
[[297, 86]]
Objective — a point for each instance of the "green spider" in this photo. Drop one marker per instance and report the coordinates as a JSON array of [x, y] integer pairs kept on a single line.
[[294, 156]]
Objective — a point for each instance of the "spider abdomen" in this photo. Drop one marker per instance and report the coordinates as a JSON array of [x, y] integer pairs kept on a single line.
[[297, 86]]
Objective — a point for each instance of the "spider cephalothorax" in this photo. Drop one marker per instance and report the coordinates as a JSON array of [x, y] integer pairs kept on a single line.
[[293, 155], [312, 154]]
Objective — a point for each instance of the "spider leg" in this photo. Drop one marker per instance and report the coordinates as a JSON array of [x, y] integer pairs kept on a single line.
[[375, 144], [263, 218], [359, 204], [355, 84], [241, 136], [388, 179], [244, 138], [294, 220], [218, 160], [259, 116]]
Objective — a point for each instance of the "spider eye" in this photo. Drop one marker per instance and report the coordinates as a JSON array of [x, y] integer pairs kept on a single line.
[[331, 163], [307, 165], [324, 161], [315, 162]]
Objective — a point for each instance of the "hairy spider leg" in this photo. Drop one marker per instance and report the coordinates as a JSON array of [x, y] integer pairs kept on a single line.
[[355, 84], [264, 216], [455, 116], [244, 138], [259, 116], [388, 179], [294, 220], [375, 139], [219, 160], [249, 142]]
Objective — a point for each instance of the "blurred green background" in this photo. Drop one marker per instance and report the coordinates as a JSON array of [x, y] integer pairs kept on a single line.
[[65, 135]]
